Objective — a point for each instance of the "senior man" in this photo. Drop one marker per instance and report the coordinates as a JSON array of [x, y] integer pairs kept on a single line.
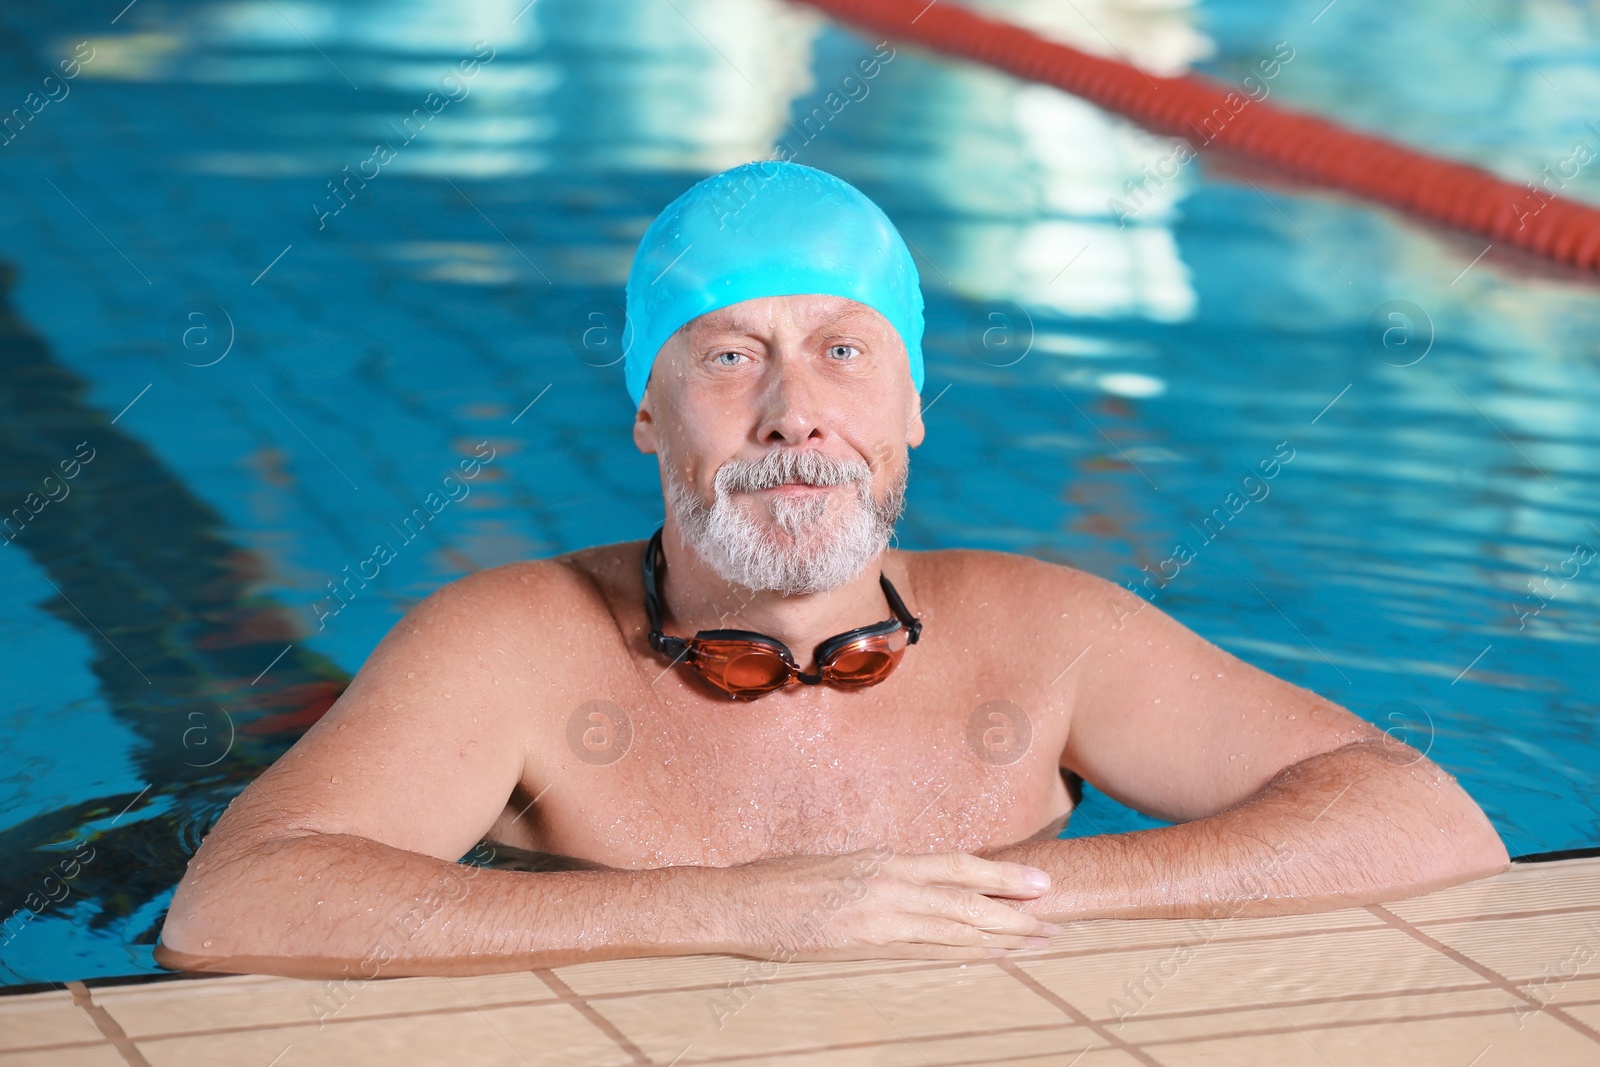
[[765, 732]]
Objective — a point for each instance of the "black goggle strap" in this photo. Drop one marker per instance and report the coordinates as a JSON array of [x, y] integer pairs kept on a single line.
[[672, 646], [680, 648], [913, 624]]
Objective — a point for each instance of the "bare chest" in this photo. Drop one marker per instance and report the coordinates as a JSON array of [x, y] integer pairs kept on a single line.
[[925, 762]]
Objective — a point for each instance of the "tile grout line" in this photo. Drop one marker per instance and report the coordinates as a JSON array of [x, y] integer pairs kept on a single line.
[[1500, 916], [1554, 1011], [744, 1059], [59, 1046], [1318, 1027], [566, 995], [265, 1025], [1379, 997], [109, 1028], [1071, 1012]]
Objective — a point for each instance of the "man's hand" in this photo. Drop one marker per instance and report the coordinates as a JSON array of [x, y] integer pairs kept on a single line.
[[1365, 823], [873, 904]]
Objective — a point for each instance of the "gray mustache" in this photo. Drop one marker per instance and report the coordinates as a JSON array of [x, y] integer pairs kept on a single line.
[[785, 465]]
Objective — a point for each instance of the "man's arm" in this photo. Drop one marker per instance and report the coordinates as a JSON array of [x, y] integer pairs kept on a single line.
[[342, 854], [1285, 802], [339, 861]]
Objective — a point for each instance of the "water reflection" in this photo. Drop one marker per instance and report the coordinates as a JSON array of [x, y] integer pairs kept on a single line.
[[1009, 194], [696, 85]]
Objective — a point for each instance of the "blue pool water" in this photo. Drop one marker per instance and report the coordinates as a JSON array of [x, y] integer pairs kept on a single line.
[[267, 375]]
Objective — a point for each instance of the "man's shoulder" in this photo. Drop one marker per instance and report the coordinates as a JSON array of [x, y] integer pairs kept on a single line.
[[1036, 594], [959, 567], [557, 590]]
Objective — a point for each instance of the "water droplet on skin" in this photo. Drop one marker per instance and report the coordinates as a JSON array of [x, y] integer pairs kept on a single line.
[[206, 943], [344, 726], [334, 779], [411, 674], [1194, 677]]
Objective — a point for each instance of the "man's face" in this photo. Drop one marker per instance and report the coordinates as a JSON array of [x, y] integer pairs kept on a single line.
[[782, 425]]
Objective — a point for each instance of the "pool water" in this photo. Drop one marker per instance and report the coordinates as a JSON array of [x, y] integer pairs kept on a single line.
[[242, 342]]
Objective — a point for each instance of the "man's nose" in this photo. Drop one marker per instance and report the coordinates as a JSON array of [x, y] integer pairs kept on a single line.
[[789, 410]]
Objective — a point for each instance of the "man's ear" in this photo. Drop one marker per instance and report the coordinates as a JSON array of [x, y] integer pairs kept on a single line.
[[644, 427], [914, 428]]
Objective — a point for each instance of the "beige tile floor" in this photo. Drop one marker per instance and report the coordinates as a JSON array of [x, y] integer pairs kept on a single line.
[[1505, 971]]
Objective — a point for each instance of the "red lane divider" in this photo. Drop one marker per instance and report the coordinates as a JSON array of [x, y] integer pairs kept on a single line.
[[1311, 149]]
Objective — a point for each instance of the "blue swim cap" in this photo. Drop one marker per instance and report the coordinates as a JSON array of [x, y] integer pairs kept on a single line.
[[770, 228]]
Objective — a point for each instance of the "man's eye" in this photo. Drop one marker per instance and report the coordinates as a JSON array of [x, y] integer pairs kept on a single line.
[[843, 351], [727, 359]]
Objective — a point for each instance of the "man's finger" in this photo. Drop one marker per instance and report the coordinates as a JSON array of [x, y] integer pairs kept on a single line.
[[957, 934], [980, 912], [965, 871]]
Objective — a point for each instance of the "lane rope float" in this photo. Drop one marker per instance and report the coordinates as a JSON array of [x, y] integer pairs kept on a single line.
[[1306, 147]]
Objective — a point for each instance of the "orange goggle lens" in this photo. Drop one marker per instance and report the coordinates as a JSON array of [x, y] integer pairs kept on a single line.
[[746, 668], [864, 664]]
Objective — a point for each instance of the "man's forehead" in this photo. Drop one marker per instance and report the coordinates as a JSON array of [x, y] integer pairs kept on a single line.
[[810, 312]]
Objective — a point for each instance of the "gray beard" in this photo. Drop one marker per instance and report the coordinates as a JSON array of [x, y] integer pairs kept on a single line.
[[800, 550]]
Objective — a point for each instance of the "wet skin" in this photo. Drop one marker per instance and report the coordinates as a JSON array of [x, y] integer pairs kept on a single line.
[[722, 821]]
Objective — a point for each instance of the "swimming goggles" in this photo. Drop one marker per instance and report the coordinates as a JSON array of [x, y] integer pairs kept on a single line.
[[745, 664]]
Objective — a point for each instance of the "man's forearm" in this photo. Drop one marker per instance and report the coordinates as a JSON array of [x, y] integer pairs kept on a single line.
[[335, 905], [1364, 823]]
